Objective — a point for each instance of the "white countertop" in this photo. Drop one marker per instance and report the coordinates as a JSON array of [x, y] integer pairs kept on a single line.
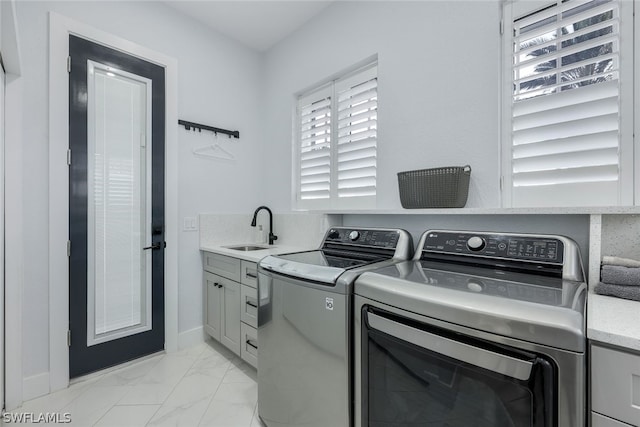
[[253, 256], [613, 321]]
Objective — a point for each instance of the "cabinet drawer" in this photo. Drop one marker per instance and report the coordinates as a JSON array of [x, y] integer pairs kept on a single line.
[[222, 265], [615, 384], [249, 273], [249, 306], [598, 420], [249, 345]]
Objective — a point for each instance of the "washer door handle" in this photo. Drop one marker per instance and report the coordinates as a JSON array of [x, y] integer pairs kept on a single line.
[[496, 362]]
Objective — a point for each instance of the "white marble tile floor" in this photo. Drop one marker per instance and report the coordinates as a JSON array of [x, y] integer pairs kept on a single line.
[[205, 385]]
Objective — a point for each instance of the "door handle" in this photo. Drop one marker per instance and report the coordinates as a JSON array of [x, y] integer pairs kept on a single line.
[[252, 344], [159, 245], [487, 359]]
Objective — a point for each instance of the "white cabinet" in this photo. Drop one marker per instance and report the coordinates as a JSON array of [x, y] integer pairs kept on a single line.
[[222, 317], [249, 273], [213, 301], [249, 313], [222, 265], [598, 420], [249, 344], [231, 304], [615, 387], [230, 315], [249, 306]]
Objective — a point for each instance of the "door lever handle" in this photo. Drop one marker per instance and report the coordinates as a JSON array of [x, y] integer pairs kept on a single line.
[[158, 245]]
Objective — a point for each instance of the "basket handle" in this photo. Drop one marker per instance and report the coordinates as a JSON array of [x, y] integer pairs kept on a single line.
[[466, 168]]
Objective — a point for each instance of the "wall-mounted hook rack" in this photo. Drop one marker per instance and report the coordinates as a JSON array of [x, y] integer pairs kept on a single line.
[[191, 125]]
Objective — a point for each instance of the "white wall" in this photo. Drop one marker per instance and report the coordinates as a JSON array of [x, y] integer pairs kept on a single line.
[[220, 83], [438, 76]]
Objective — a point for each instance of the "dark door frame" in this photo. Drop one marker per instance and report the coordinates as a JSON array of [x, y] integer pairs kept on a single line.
[[85, 358], [60, 28]]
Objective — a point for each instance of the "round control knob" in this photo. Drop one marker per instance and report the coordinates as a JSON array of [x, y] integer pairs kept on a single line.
[[475, 243], [333, 234], [475, 286], [354, 235]]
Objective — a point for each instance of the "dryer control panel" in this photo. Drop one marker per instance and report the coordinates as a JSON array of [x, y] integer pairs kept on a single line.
[[363, 237], [543, 249]]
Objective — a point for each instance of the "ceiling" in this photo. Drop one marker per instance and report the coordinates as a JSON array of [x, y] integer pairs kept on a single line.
[[256, 24]]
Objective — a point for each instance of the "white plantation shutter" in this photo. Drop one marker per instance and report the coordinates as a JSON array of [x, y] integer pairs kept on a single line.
[[357, 134], [336, 143], [314, 112], [565, 105]]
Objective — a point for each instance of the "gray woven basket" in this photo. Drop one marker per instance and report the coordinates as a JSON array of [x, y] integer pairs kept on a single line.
[[446, 187]]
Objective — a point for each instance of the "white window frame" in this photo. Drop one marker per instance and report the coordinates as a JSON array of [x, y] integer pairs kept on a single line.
[[363, 70], [625, 190]]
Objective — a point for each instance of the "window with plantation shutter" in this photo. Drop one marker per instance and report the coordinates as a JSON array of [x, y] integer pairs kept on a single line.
[[566, 109], [336, 143], [315, 146]]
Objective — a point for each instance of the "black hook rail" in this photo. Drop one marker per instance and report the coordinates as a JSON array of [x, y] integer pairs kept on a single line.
[[191, 125]]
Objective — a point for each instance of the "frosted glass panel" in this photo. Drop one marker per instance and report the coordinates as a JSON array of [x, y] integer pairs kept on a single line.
[[118, 205]]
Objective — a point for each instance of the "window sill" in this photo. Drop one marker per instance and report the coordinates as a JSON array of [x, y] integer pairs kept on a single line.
[[487, 211]]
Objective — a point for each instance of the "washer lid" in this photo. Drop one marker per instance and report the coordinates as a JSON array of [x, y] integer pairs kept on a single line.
[[318, 265], [536, 309]]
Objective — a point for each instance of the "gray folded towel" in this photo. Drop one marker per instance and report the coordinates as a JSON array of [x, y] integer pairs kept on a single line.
[[623, 262], [617, 275], [626, 292]]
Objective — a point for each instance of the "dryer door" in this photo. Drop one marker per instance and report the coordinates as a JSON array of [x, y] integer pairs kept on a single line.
[[415, 374]]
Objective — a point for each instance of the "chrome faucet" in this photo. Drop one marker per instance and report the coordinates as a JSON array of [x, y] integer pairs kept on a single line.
[[272, 236]]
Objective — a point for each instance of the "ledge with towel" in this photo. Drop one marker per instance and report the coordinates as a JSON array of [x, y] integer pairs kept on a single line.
[[619, 277]]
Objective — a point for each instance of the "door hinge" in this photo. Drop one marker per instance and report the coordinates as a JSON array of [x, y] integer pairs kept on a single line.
[[69, 157], [68, 247], [501, 182], [68, 64], [501, 26], [69, 338]]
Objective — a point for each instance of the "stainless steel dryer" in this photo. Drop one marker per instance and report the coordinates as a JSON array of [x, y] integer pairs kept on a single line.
[[480, 330], [304, 325]]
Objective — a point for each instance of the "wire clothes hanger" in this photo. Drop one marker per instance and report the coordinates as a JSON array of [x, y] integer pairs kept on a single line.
[[213, 151]]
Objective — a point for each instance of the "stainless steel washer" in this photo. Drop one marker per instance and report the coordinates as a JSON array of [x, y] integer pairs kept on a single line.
[[304, 325], [481, 329]]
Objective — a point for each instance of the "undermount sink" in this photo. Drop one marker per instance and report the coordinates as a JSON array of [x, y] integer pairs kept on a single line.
[[246, 248]]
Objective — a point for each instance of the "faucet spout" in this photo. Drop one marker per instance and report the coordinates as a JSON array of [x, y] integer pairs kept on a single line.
[[272, 236]]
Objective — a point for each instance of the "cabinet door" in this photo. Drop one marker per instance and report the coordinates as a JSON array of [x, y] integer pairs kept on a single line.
[[213, 302], [615, 379], [230, 325], [598, 420]]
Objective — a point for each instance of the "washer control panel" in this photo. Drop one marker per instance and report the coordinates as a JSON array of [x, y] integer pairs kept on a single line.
[[363, 237], [505, 246]]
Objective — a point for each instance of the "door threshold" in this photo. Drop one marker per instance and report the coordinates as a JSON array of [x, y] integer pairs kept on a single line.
[[110, 369]]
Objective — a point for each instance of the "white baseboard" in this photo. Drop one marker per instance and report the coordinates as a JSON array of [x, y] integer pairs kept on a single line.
[[35, 386], [190, 338]]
